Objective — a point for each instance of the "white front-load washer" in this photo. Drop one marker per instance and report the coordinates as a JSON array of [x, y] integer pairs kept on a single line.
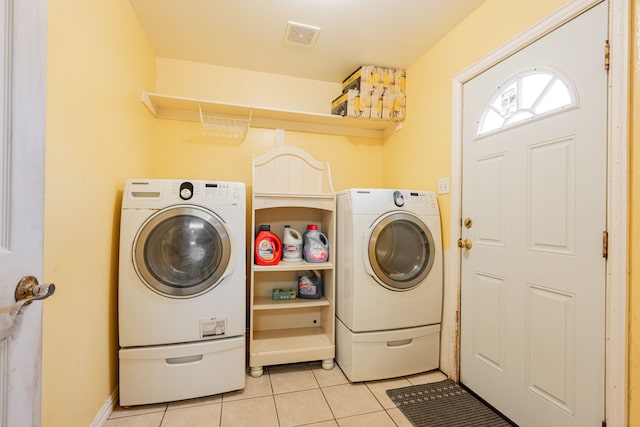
[[389, 283], [181, 290]]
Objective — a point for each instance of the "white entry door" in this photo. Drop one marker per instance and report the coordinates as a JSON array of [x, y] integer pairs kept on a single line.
[[22, 130], [534, 213]]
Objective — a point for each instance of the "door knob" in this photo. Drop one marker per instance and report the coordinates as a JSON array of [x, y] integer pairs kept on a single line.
[[466, 243], [28, 290]]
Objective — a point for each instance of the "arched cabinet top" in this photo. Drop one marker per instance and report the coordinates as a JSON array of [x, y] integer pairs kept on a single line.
[[291, 170]]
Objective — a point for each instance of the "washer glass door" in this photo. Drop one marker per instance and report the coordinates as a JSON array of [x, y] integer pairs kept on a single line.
[[182, 251], [400, 251]]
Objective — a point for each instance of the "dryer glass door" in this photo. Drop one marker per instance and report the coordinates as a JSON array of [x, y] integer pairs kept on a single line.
[[400, 251], [182, 251]]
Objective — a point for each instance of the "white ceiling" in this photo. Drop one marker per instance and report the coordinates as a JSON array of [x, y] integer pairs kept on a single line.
[[249, 34]]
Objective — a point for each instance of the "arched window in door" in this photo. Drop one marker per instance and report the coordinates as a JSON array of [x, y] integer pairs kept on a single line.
[[530, 94]]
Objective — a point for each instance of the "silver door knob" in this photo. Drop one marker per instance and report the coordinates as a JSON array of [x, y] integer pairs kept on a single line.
[[29, 290]]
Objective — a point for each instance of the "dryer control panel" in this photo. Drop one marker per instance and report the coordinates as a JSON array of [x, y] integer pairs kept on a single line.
[[419, 202], [424, 199], [380, 200]]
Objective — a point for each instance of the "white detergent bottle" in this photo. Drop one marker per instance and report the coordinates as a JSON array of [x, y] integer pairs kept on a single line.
[[291, 245], [316, 245]]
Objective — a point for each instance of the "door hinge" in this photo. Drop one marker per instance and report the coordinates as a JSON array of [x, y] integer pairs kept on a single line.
[[605, 244], [607, 51]]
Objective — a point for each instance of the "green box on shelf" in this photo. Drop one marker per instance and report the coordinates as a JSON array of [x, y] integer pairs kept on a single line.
[[281, 294]]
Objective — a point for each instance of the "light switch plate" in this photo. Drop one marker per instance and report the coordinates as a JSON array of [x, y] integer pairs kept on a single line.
[[443, 185]]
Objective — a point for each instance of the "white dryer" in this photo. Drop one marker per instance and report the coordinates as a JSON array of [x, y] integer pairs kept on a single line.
[[389, 283], [181, 290]]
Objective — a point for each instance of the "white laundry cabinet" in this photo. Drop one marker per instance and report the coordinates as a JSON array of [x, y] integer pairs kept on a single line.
[[290, 187]]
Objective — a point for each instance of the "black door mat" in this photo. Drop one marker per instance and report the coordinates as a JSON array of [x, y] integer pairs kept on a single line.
[[444, 404]]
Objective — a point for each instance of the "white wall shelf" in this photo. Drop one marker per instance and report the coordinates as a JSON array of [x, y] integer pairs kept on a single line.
[[189, 109]]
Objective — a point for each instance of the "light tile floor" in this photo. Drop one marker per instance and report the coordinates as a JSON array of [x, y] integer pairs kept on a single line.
[[284, 396]]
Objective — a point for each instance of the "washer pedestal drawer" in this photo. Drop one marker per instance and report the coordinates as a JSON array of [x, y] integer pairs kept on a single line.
[[181, 371], [368, 356]]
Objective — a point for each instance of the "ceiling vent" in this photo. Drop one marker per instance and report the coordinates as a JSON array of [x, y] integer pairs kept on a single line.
[[301, 34]]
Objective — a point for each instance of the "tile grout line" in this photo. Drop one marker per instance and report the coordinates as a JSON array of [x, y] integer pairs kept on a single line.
[[324, 396]]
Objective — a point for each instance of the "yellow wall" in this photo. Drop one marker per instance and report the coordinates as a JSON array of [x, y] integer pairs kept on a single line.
[[98, 134], [235, 86], [355, 162]]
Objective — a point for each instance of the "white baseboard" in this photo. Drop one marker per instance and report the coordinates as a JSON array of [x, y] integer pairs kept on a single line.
[[106, 410]]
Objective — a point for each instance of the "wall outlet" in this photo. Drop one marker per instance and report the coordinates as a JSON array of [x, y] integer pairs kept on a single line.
[[443, 185]]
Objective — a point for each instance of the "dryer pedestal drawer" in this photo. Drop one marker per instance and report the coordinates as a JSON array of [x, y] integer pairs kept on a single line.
[[368, 356], [182, 371]]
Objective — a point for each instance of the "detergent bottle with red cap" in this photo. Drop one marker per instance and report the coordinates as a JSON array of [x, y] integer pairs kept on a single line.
[[316, 245], [268, 247]]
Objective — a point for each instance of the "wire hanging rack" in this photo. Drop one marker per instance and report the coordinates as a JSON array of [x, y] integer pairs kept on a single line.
[[217, 127]]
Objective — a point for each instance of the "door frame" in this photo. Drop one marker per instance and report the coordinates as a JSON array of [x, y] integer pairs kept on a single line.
[[617, 190]]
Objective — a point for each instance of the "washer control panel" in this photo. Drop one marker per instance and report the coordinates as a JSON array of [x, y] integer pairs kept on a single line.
[[210, 192], [160, 193]]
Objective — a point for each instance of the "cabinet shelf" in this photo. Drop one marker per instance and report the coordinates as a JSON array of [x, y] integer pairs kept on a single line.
[[291, 188], [189, 109], [295, 266], [291, 345], [266, 303], [275, 200]]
